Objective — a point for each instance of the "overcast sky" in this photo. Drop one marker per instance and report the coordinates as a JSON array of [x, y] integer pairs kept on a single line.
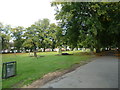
[[25, 12]]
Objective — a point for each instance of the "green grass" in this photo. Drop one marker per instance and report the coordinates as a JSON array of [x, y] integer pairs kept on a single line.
[[30, 69]]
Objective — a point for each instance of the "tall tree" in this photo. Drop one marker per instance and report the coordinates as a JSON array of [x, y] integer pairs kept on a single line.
[[90, 24], [52, 35], [31, 38], [17, 34], [43, 30], [5, 36]]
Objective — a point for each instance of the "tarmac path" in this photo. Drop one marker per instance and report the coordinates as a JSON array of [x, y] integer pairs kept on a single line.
[[100, 73]]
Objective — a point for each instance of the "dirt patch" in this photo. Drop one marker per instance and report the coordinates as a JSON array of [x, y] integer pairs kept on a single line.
[[50, 76]]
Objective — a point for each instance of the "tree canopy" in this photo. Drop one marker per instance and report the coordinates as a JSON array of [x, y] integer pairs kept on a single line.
[[93, 25], [90, 24]]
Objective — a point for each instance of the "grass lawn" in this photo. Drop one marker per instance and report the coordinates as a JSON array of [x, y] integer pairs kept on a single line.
[[30, 69]]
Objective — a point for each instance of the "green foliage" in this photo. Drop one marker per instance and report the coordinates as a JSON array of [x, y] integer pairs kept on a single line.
[[43, 28], [5, 41], [42, 34], [17, 34], [5, 36], [80, 24], [39, 35], [90, 24]]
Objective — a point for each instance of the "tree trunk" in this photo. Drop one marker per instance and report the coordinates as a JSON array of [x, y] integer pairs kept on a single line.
[[97, 50], [72, 49], [110, 48], [12, 50], [103, 49], [118, 49], [91, 49], [52, 49], [30, 50], [60, 51], [34, 50], [35, 54], [65, 48], [107, 48], [18, 50], [43, 49]]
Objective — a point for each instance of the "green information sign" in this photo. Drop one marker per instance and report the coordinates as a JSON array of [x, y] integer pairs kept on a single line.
[[8, 69]]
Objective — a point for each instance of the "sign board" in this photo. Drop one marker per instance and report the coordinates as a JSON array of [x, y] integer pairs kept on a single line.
[[8, 69]]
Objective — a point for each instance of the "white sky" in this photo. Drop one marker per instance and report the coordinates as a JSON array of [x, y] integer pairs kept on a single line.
[[25, 12]]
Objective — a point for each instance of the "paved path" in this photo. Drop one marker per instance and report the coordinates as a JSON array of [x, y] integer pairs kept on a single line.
[[100, 73]]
